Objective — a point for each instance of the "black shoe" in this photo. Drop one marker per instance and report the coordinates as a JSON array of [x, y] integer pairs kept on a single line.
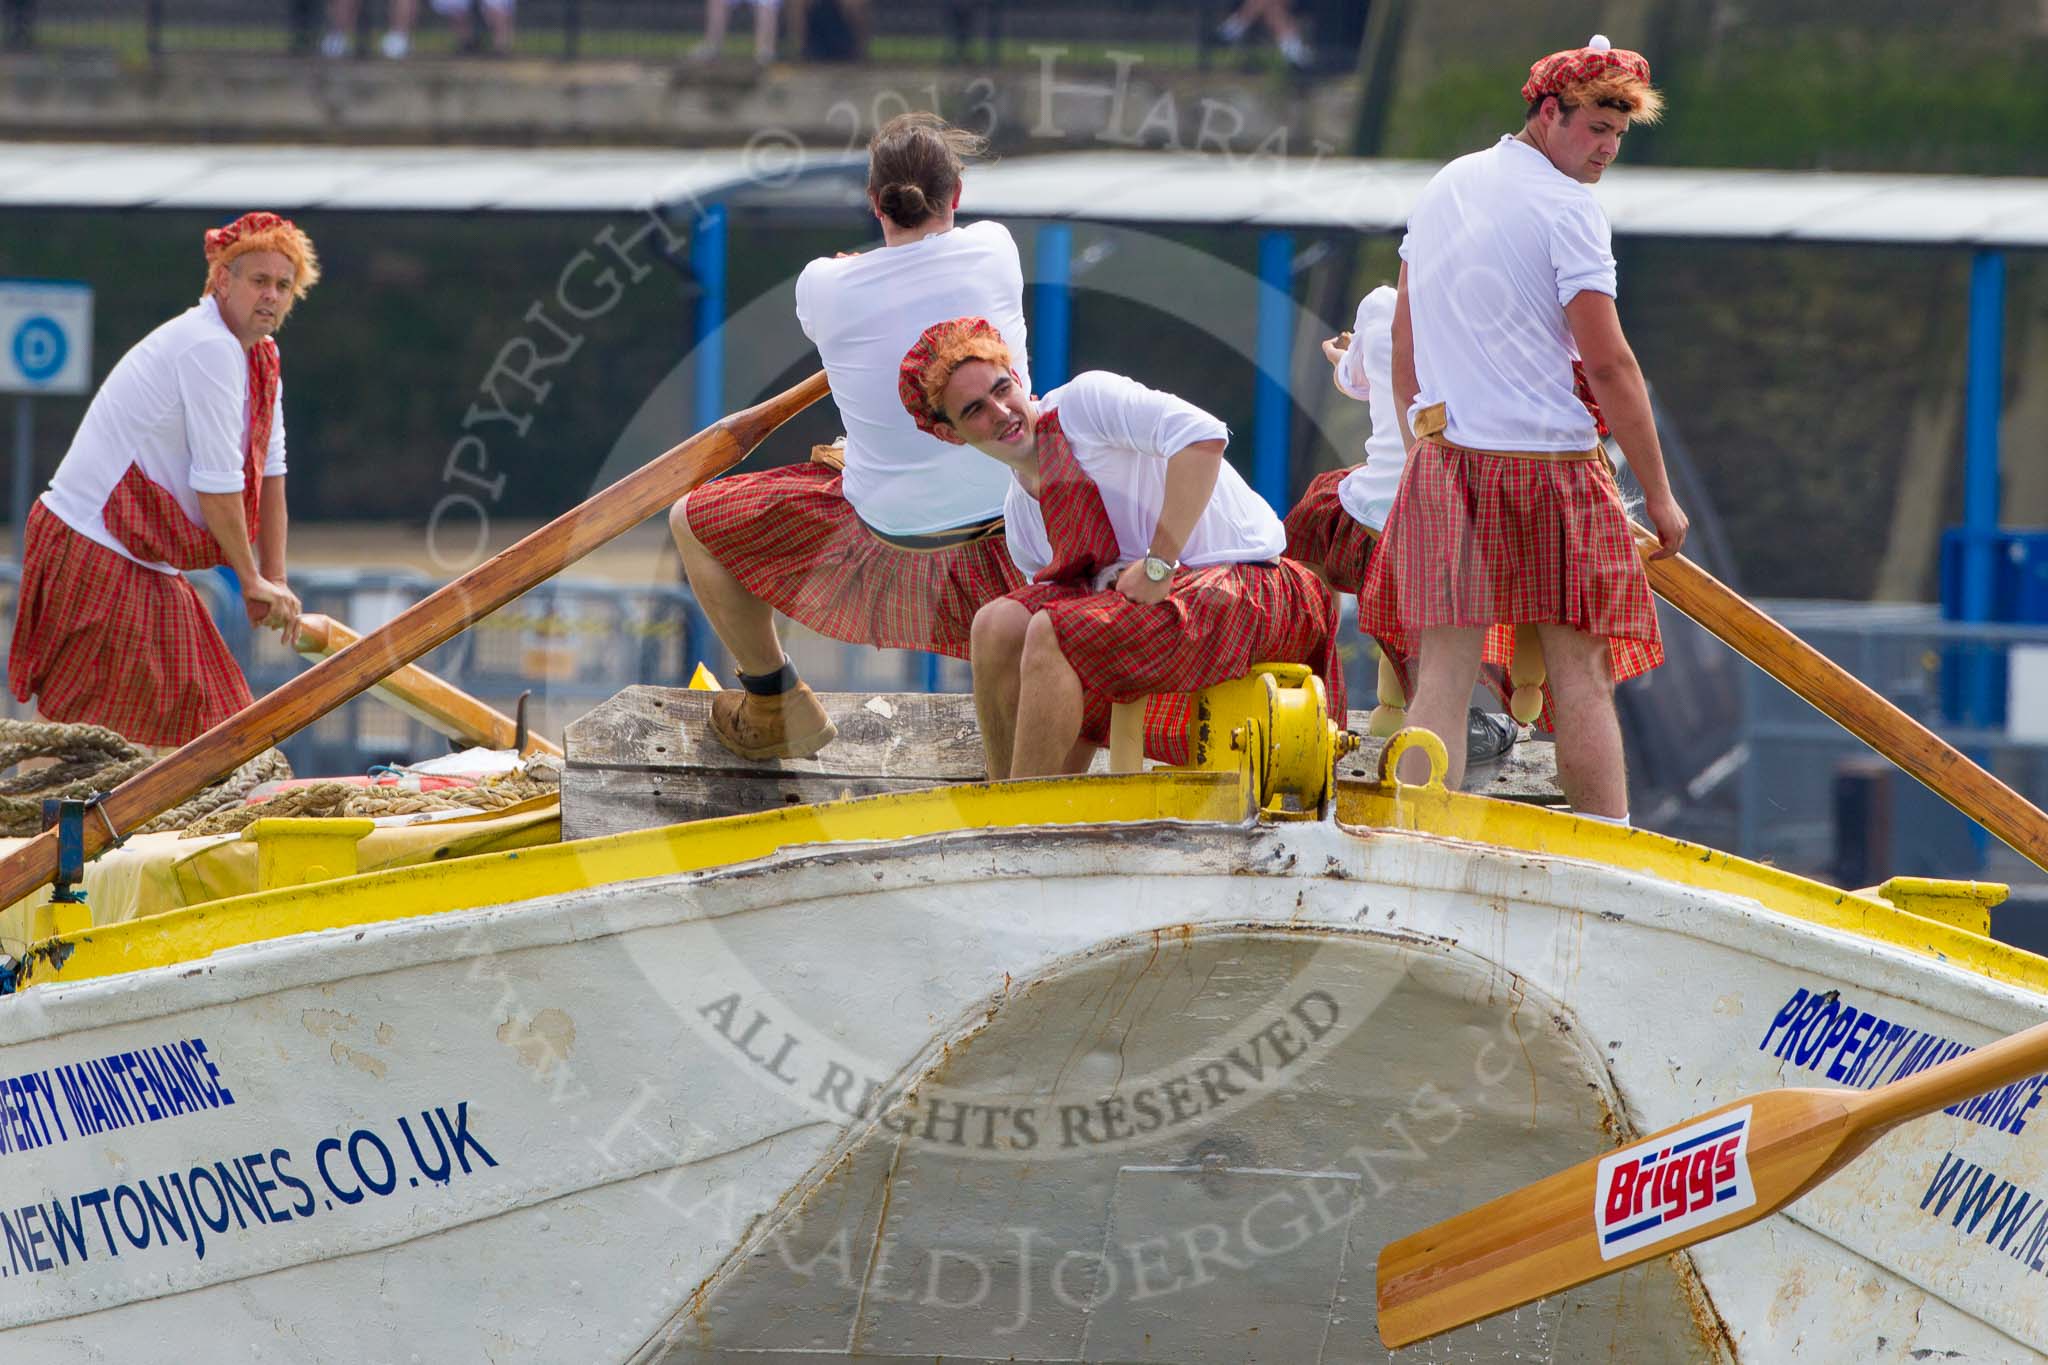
[[1489, 735]]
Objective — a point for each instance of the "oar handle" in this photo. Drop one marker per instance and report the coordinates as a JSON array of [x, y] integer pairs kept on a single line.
[[1844, 699], [314, 633], [2010, 1059]]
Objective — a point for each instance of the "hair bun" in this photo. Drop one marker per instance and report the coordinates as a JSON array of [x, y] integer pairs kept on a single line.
[[907, 199]]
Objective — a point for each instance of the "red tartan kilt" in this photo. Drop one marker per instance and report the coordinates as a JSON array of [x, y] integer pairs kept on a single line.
[[792, 539], [1480, 540], [1218, 622], [101, 640], [1321, 532], [148, 522]]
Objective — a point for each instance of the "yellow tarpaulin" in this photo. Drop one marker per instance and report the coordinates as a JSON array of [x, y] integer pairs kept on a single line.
[[152, 873]]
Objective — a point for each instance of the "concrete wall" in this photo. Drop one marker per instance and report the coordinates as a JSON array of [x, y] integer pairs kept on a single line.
[[1050, 101]]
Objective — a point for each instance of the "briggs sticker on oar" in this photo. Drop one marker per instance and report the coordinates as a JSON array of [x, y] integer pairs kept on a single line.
[[1658, 1189]]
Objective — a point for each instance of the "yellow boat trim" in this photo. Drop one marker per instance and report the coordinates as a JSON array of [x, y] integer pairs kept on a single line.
[[192, 933], [1532, 829], [499, 878]]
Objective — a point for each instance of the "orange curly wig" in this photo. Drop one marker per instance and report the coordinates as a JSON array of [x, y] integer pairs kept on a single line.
[[262, 232], [928, 367]]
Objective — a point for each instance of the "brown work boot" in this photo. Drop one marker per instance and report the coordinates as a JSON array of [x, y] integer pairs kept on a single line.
[[792, 725]]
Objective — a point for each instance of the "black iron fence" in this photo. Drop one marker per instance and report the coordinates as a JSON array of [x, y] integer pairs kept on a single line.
[[985, 31]]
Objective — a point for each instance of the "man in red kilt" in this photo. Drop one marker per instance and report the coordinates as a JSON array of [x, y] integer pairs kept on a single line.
[[1161, 569], [1507, 513], [179, 465], [1338, 520], [885, 541]]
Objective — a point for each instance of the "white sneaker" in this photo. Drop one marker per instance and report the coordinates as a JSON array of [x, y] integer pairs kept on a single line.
[[334, 44], [1296, 52], [395, 45]]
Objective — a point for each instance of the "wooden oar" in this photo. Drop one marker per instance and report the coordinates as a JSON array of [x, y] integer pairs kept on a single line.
[[1843, 699], [430, 621], [1726, 1168], [428, 698]]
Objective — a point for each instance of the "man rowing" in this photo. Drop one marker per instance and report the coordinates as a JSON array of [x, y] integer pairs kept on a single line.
[[1163, 570], [178, 465], [900, 548], [1338, 520], [1507, 513]]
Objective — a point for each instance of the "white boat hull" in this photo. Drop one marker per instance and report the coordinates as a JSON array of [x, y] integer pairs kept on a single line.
[[1153, 1093]]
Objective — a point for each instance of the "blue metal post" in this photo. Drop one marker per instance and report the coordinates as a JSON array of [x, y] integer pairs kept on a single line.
[[1271, 405], [707, 263], [1983, 396], [24, 473], [1980, 443], [1052, 308]]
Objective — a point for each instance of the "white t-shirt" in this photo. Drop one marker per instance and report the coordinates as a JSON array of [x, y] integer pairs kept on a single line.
[[1122, 435], [177, 405], [863, 312], [1498, 243], [1367, 373]]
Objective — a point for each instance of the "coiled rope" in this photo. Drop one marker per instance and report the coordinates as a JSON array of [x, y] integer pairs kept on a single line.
[[328, 799], [92, 759], [89, 759]]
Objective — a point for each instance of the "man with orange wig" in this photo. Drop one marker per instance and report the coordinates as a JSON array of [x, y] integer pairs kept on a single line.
[[1162, 571], [179, 465], [1507, 514]]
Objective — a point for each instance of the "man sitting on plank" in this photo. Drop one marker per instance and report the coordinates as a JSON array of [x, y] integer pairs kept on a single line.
[[1507, 512], [1164, 573], [901, 547], [178, 465]]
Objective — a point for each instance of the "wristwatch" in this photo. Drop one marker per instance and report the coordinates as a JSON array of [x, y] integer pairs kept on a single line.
[[1159, 570]]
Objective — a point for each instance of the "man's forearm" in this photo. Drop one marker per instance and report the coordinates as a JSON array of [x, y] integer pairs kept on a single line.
[[222, 513], [1625, 402], [1190, 481], [270, 529]]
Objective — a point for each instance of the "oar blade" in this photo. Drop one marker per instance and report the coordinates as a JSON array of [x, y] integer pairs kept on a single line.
[[1697, 1180]]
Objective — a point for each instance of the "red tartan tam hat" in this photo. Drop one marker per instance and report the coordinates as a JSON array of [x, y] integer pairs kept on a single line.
[[1598, 70], [928, 367], [265, 232]]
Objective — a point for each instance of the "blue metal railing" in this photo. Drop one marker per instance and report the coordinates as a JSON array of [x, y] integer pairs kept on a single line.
[[569, 644], [1910, 655]]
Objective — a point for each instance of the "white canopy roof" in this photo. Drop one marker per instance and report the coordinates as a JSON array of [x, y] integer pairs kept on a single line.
[[1149, 187], [425, 179]]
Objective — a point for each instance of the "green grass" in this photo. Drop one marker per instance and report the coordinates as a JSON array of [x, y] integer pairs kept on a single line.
[[1836, 101], [1898, 103]]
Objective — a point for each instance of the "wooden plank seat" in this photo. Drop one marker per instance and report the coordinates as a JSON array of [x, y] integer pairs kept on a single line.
[[647, 757]]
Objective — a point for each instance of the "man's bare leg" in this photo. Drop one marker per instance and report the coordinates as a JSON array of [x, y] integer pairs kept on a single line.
[[995, 646], [784, 719], [1048, 704], [499, 22], [745, 624], [1444, 676], [715, 16], [1590, 767]]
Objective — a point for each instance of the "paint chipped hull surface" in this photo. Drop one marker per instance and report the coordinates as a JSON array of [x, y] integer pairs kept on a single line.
[[1151, 1094]]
